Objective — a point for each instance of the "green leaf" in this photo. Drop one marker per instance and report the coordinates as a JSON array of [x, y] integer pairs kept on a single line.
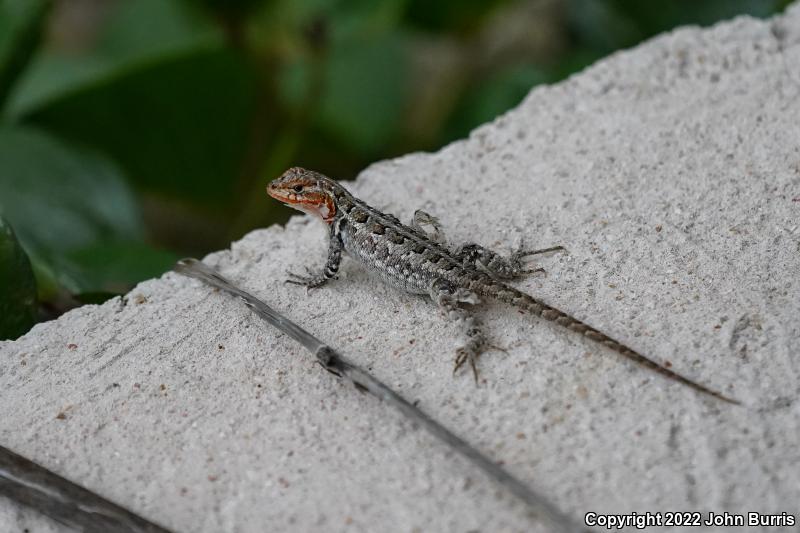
[[17, 286], [136, 31], [140, 29], [75, 214], [61, 199], [159, 94], [20, 31], [365, 92], [177, 125], [354, 73]]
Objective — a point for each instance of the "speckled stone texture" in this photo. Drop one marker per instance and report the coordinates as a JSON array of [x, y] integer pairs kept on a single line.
[[671, 172]]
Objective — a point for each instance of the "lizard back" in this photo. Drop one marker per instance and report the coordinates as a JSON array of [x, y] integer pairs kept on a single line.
[[399, 254]]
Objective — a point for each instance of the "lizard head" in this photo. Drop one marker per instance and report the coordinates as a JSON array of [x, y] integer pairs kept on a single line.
[[307, 191]]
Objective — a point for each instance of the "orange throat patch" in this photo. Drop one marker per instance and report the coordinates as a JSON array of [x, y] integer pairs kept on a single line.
[[322, 207]]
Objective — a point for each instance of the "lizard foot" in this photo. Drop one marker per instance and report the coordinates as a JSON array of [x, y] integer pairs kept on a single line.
[[516, 260], [311, 281], [469, 354], [525, 253], [504, 268], [464, 355]]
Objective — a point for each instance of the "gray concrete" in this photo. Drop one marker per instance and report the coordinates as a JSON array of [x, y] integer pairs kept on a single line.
[[672, 174]]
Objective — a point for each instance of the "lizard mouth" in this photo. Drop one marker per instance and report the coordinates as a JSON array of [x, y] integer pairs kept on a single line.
[[288, 198], [276, 193], [311, 203]]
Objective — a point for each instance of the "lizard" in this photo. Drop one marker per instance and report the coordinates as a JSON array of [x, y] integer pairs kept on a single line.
[[418, 261]]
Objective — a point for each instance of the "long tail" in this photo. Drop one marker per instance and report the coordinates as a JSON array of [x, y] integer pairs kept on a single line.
[[520, 300]]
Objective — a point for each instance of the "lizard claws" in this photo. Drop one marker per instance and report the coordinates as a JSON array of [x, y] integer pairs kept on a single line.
[[525, 253], [498, 348], [534, 271], [516, 259], [311, 281], [462, 356]]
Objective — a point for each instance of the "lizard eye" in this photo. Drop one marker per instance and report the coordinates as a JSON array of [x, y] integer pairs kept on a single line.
[[297, 188]]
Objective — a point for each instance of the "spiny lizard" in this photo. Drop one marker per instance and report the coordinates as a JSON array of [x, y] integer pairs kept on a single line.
[[419, 262]]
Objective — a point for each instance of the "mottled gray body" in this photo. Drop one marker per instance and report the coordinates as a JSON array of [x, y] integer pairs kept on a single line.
[[419, 262], [400, 255]]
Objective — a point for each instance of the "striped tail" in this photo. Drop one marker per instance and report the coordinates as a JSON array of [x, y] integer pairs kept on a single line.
[[520, 300]]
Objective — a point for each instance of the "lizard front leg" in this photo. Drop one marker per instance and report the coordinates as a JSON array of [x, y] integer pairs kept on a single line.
[[448, 299], [335, 247], [504, 268]]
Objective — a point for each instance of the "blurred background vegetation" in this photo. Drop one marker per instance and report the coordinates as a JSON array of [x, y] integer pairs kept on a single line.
[[133, 132]]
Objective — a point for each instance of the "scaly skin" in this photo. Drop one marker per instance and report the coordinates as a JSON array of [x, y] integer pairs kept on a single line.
[[418, 262]]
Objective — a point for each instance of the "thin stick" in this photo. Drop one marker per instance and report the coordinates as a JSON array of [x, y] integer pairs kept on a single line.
[[338, 365], [30, 484]]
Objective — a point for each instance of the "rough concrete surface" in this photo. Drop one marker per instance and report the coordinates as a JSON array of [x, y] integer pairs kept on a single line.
[[672, 174]]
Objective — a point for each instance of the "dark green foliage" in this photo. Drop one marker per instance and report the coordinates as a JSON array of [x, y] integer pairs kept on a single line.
[[69, 204], [494, 96], [176, 126], [607, 25], [59, 197], [113, 266], [450, 15], [20, 32], [17, 286], [365, 93], [153, 131]]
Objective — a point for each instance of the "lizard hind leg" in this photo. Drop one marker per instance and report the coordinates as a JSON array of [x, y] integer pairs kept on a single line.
[[310, 281], [449, 299], [499, 267], [421, 219]]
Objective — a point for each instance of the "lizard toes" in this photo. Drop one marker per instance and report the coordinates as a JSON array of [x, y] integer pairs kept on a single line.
[[498, 348], [461, 358], [534, 271], [464, 355], [525, 253]]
